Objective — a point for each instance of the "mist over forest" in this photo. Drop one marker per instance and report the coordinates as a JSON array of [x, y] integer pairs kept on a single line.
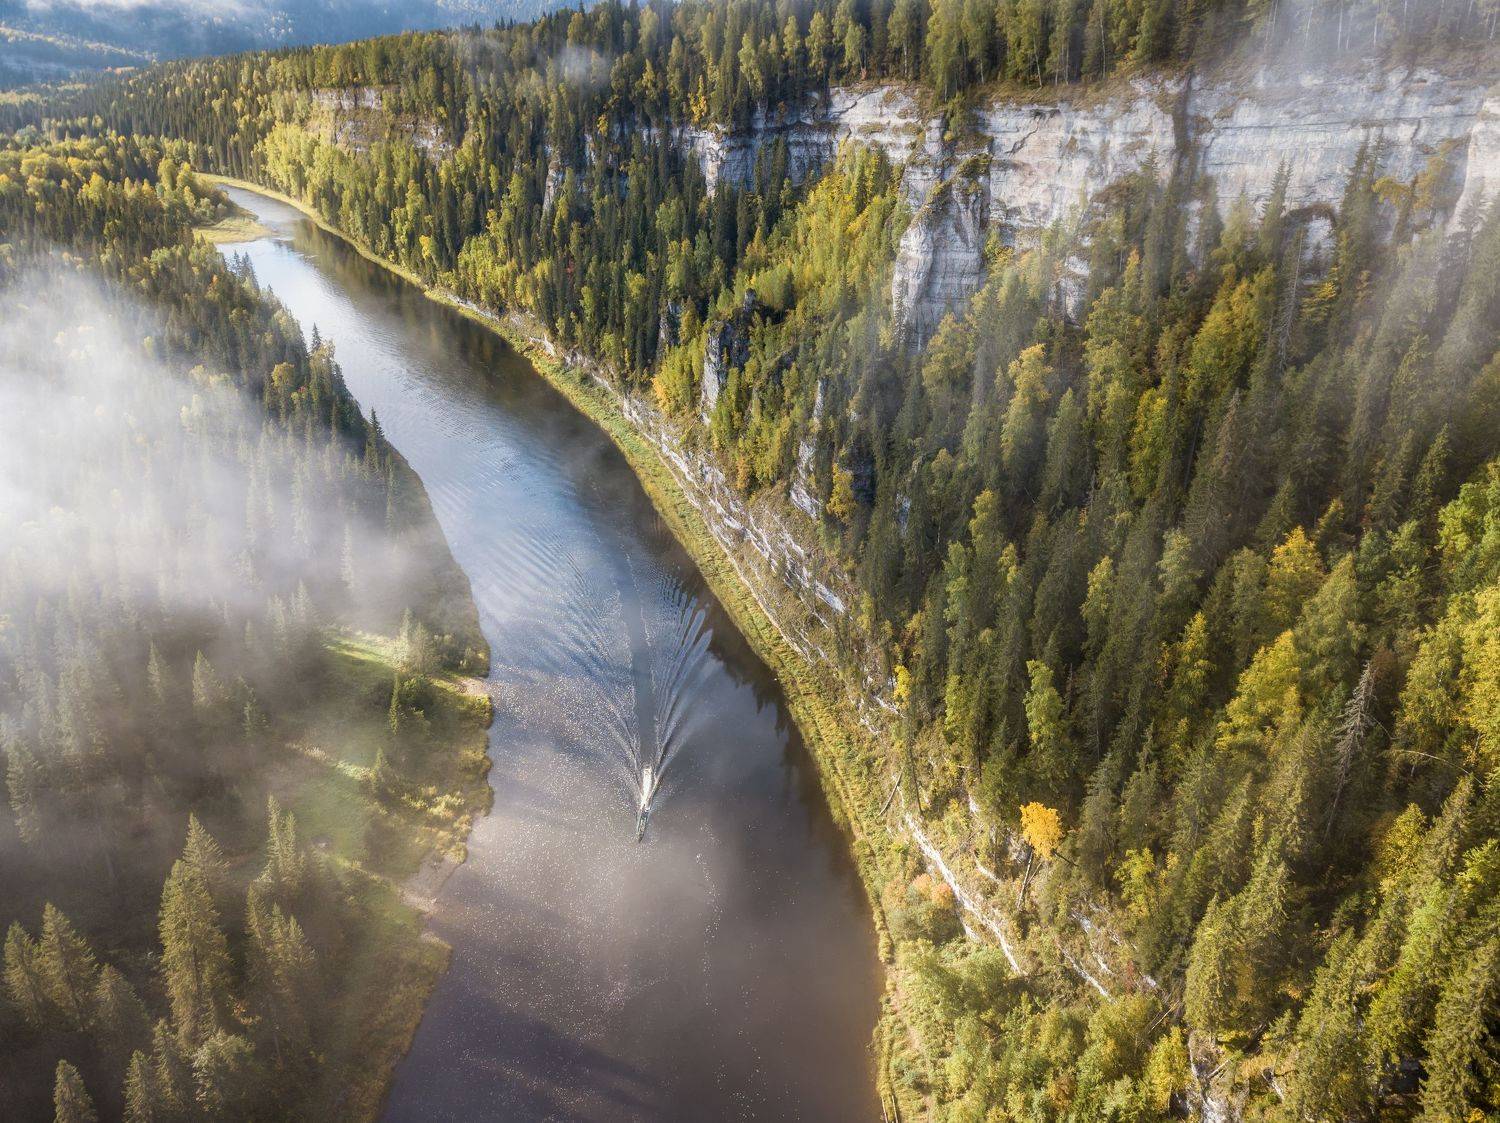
[[1088, 409], [45, 40], [224, 607]]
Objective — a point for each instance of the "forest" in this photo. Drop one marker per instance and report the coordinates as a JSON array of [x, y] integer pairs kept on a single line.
[[231, 636], [1187, 593]]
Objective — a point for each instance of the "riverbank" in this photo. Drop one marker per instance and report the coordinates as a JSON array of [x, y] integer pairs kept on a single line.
[[383, 847], [848, 763], [234, 227], [391, 835]]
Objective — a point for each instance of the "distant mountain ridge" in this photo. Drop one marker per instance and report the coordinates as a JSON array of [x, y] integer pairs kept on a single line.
[[43, 40]]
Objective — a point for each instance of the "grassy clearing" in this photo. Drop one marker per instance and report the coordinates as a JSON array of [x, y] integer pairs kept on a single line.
[[377, 848], [391, 969], [335, 747]]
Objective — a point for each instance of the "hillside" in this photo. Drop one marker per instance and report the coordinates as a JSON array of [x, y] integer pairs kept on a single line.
[[1106, 399], [45, 40]]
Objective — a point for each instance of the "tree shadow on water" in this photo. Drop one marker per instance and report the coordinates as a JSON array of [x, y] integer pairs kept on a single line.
[[516, 1067]]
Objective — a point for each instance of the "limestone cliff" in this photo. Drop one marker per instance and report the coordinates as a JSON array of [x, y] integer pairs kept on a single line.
[[1016, 167]]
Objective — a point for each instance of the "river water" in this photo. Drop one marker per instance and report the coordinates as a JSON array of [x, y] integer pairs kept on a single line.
[[723, 968]]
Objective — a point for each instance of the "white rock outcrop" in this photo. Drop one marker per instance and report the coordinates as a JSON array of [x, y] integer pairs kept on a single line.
[[1048, 160], [1018, 167], [884, 116], [1318, 123], [940, 259], [1482, 163]]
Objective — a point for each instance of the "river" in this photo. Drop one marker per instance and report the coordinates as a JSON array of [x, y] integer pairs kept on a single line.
[[723, 968]]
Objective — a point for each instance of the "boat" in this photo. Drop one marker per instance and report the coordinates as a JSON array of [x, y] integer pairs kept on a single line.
[[643, 814]]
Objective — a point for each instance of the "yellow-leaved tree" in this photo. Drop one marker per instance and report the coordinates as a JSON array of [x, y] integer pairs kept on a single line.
[[1041, 827]]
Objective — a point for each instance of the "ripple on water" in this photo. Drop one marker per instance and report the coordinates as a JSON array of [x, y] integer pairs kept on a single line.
[[723, 969]]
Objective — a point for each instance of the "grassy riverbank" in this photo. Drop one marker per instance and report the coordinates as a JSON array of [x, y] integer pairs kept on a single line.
[[238, 226], [381, 848], [847, 763]]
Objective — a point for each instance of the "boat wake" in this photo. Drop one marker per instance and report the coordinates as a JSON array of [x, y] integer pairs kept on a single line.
[[675, 639]]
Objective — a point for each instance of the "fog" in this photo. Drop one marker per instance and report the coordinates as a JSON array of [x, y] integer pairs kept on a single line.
[[166, 484], [152, 506], [110, 463], [180, 28], [1308, 35]]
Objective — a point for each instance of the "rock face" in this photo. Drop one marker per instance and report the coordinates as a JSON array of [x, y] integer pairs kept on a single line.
[[727, 346], [886, 116], [1049, 160], [802, 490], [1482, 168], [940, 260], [1318, 124], [355, 119], [1017, 168]]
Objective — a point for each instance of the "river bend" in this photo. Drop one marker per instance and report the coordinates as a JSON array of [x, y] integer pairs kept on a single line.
[[723, 969]]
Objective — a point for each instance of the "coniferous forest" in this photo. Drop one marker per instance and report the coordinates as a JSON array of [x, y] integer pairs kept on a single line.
[[1182, 581], [212, 759]]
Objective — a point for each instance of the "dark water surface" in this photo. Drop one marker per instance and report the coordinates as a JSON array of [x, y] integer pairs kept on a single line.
[[725, 967]]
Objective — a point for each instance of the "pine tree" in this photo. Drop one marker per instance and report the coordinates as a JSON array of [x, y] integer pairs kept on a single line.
[[285, 874], [1463, 1046], [1208, 988], [1295, 574], [70, 1099], [195, 955], [120, 1019], [1021, 434], [1332, 1083], [284, 971], [205, 857], [209, 692], [224, 1076], [143, 1099], [24, 782], [1480, 680], [26, 981], [156, 677], [171, 1072], [1050, 759], [1237, 951], [68, 965]]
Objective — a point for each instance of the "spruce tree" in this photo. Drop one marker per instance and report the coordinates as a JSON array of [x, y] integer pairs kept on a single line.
[[26, 982], [121, 1023], [171, 1081], [205, 857], [286, 864], [225, 1079], [143, 1099], [1463, 1046], [70, 1099], [69, 967], [156, 677], [195, 956]]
